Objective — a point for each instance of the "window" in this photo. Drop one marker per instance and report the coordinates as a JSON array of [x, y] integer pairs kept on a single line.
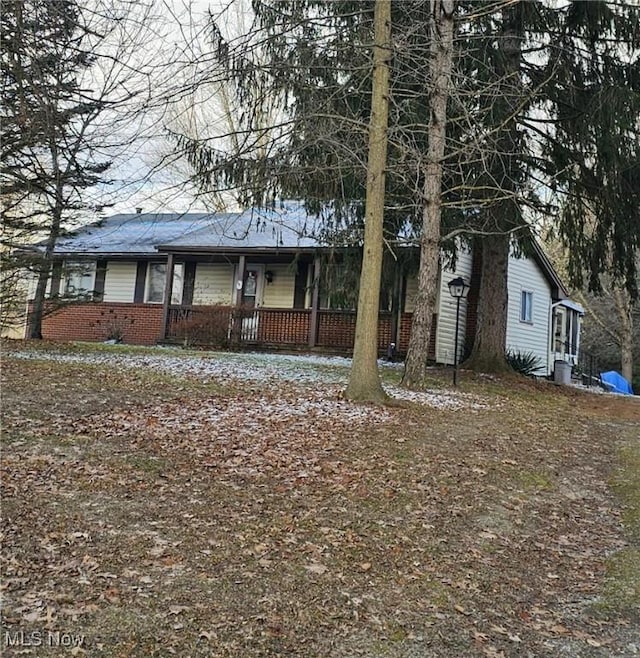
[[78, 279], [526, 306], [156, 276]]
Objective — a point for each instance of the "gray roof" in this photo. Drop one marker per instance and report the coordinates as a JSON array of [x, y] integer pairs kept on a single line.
[[287, 226]]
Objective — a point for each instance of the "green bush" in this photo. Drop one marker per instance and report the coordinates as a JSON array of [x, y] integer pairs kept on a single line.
[[526, 363]]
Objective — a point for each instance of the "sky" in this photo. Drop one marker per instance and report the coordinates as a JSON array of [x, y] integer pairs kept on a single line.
[[160, 50]]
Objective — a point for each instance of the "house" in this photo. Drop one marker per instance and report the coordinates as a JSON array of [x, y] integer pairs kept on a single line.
[[260, 278]]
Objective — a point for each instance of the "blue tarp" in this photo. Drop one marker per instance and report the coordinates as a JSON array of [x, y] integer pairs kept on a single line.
[[615, 382]]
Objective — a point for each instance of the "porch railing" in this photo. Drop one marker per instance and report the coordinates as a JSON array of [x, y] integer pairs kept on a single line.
[[227, 325], [585, 364]]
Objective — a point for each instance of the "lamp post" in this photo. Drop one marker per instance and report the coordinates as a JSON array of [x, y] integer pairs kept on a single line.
[[458, 289]]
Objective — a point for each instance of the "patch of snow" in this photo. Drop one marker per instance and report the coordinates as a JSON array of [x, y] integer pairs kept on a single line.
[[451, 400], [263, 369]]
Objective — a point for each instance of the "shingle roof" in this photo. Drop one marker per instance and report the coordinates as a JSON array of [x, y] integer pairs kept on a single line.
[[286, 226], [134, 233]]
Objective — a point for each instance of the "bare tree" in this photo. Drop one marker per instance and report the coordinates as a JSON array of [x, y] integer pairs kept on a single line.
[[73, 82], [441, 38], [364, 380], [611, 330]]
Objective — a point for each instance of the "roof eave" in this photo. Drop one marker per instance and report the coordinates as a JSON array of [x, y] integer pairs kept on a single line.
[[263, 251], [548, 270]]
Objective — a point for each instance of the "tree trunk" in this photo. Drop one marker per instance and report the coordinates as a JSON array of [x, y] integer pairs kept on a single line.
[[37, 308], [441, 28], [488, 354], [44, 271], [364, 381], [623, 306]]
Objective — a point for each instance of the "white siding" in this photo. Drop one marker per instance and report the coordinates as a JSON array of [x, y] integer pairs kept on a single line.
[[120, 281], [279, 293], [410, 294], [445, 335], [32, 282], [525, 275], [213, 283]]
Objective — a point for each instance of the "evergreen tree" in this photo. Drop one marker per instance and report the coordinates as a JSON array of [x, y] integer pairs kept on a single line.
[[317, 55], [441, 64], [566, 117], [46, 154], [512, 64], [594, 150]]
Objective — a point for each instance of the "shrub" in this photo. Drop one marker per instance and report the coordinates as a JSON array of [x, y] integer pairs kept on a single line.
[[526, 363], [206, 326]]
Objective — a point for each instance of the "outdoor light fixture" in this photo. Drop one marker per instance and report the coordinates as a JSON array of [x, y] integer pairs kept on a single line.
[[458, 289], [268, 275]]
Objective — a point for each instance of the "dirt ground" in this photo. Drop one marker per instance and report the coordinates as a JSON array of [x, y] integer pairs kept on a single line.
[[152, 511]]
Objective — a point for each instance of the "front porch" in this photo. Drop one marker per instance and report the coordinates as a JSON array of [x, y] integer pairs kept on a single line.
[[222, 325]]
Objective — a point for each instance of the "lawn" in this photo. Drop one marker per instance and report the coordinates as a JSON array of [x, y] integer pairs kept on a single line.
[[159, 502]]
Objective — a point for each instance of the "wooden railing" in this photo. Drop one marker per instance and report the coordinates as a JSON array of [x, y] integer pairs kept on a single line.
[[227, 325]]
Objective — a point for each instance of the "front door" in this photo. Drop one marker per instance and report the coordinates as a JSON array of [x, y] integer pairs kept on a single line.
[[252, 290], [253, 286]]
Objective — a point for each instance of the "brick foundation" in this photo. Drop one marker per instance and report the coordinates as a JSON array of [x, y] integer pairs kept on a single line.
[[137, 324]]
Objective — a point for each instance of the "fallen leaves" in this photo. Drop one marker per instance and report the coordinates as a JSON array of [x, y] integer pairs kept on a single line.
[[288, 521], [316, 568]]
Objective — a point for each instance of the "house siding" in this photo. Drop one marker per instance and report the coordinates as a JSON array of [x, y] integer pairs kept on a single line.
[[120, 281], [445, 335], [279, 293], [411, 292], [525, 275], [213, 284]]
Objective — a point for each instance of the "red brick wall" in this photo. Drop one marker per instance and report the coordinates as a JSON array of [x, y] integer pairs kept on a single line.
[[139, 324], [336, 329]]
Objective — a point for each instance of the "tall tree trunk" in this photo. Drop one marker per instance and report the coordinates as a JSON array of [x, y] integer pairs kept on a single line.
[[44, 272], [622, 300], [441, 29], [364, 380], [488, 352]]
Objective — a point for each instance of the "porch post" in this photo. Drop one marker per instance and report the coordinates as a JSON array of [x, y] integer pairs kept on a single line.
[[236, 320], [168, 289], [239, 283], [315, 302]]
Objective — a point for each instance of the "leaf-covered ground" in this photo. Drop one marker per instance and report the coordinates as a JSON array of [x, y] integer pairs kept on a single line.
[[161, 503]]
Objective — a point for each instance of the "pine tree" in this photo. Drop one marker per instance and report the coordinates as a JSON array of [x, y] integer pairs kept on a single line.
[[566, 117], [594, 151], [508, 65], [46, 159]]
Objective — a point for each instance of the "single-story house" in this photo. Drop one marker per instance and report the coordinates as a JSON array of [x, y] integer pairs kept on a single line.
[[255, 278]]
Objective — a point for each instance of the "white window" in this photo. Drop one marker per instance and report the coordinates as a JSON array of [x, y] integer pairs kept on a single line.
[[78, 278], [156, 276], [526, 306]]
